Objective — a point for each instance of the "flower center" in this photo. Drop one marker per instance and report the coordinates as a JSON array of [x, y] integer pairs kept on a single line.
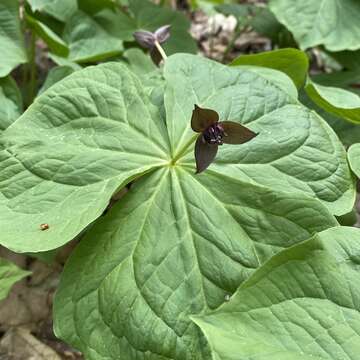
[[214, 134]]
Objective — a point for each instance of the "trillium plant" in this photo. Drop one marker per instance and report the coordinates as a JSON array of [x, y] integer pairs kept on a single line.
[[227, 244]]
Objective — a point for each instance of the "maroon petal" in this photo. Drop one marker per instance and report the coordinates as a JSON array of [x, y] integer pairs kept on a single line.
[[155, 56], [234, 133], [204, 154], [162, 34], [146, 39], [202, 118]]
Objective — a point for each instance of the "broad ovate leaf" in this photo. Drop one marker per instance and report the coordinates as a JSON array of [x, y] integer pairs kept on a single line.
[[292, 62], [10, 102], [303, 304], [74, 147], [354, 159], [294, 148], [332, 23], [176, 245], [90, 40], [9, 275], [13, 51], [337, 101]]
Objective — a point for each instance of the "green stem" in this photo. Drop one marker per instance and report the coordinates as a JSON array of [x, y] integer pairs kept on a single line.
[[231, 43], [33, 79], [161, 50]]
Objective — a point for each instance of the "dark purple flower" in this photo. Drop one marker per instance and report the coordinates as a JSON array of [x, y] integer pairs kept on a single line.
[[214, 133]]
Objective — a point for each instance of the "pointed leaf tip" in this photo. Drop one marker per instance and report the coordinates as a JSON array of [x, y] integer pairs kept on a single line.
[[203, 118]]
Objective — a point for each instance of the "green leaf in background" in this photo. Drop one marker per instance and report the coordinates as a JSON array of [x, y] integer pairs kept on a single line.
[[71, 150], [349, 59], [354, 158], [242, 12], [88, 40], [332, 23], [92, 7], [60, 9], [54, 42], [339, 102], [292, 62], [10, 102], [161, 254], [348, 132], [61, 61], [97, 32], [265, 23], [13, 51], [55, 75], [9, 275], [302, 304]]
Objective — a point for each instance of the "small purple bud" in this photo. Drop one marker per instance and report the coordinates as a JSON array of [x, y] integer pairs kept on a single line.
[[146, 39], [162, 34]]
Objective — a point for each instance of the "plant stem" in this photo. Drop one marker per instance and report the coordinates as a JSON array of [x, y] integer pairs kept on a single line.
[[161, 50], [32, 58], [231, 43]]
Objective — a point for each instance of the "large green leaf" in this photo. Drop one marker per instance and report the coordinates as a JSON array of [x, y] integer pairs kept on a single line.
[[10, 102], [178, 244], [294, 143], [13, 52], [302, 304], [337, 101], [96, 130], [332, 23], [292, 62], [354, 158], [72, 149], [9, 275]]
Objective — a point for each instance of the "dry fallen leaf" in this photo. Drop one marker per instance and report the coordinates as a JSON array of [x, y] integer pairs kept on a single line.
[[20, 344]]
